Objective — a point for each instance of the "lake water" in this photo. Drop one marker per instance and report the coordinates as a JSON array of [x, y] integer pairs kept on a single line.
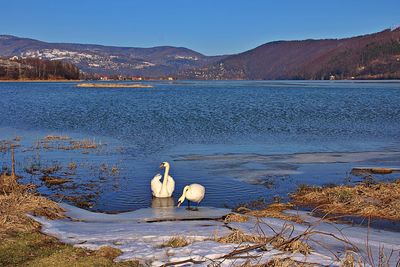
[[243, 140]]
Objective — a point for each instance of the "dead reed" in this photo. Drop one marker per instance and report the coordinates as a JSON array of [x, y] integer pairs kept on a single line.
[[238, 237], [175, 242], [275, 210], [16, 201], [378, 200], [50, 180], [56, 138], [235, 217]]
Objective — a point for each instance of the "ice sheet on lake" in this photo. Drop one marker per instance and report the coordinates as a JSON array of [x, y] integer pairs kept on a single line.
[[140, 234], [146, 215]]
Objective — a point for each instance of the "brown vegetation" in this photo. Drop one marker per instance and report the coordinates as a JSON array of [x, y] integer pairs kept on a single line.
[[83, 144], [279, 241], [56, 138], [16, 201], [278, 262], [235, 217], [114, 170], [23, 245], [274, 210], [238, 237], [175, 242], [5, 145], [36, 250], [72, 166], [82, 201], [50, 181], [65, 143], [379, 200], [113, 85], [51, 169]]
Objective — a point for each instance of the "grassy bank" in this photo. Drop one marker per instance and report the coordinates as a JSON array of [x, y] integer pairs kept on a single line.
[[22, 243], [370, 200]]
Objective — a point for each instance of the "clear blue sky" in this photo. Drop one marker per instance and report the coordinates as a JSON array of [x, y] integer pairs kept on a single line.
[[209, 26]]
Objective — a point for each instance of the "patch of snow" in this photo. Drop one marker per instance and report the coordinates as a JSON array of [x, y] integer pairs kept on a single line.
[[186, 57], [143, 65], [395, 27], [56, 53], [140, 234]]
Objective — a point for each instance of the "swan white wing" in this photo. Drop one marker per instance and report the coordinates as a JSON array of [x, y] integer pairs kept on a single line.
[[170, 185], [195, 193], [156, 184]]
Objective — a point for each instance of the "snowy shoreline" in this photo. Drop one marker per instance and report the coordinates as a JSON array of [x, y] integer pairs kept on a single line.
[[140, 234]]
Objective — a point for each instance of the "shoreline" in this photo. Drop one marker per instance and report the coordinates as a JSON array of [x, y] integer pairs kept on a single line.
[[109, 248], [39, 81]]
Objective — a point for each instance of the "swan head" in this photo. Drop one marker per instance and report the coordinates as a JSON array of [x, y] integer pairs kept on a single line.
[[164, 164], [182, 198]]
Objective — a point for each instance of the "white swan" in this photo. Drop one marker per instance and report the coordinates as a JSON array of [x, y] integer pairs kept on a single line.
[[193, 192], [167, 187]]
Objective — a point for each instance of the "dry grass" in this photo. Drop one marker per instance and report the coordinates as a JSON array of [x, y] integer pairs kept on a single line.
[[49, 180], [293, 246], [235, 217], [33, 168], [351, 259], [175, 242], [37, 250], [72, 166], [379, 200], [18, 200], [23, 245], [81, 201], [66, 143], [238, 237], [108, 252], [56, 138], [114, 170], [5, 145], [285, 262], [278, 262], [51, 169], [113, 85], [83, 144], [275, 211]]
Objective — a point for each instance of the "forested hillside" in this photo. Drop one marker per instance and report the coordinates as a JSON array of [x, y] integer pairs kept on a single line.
[[373, 56], [37, 69]]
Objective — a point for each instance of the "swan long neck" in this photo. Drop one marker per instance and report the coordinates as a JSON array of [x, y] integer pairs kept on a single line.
[[182, 198], [165, 180]]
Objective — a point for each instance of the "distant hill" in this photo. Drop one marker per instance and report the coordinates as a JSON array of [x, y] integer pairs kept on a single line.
[[37, 69], [108, 60], [373, 56]]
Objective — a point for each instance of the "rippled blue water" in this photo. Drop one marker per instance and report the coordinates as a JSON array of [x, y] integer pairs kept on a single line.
[[173, 120]]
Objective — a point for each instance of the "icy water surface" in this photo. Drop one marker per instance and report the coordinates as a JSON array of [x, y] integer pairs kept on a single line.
[[243, 140]]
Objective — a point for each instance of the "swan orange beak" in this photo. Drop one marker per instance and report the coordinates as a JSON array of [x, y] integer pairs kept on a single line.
[[161, 165], [179, 204]]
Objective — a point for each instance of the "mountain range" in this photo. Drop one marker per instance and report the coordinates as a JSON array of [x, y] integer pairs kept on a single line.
[[108, 60], [372, 56]]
